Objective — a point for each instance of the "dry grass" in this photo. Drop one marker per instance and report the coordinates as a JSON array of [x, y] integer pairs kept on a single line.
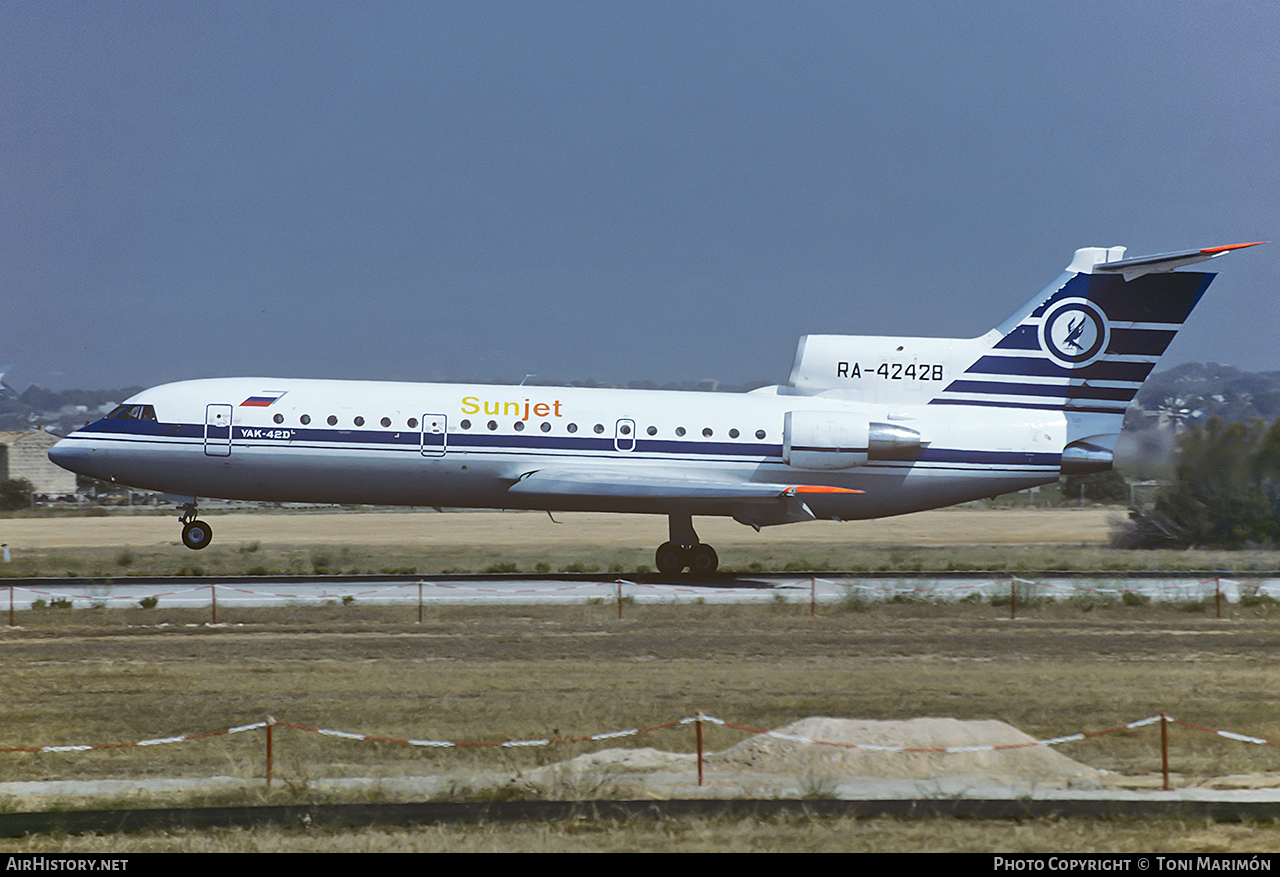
[[792, 834], [492, 673], [429, 543], [489, 674], [495, 673]]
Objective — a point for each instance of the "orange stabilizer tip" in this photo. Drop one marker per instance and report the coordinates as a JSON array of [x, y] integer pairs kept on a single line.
[[1232, 247], [818, 488]]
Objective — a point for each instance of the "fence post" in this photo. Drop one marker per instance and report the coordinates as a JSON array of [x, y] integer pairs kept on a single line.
[[619, 584], [214, 590], [1217, 595], [813, 596], [1013, 598], [11, 605], [1164, 748], [419, 602], [271, 726], [699, 726]]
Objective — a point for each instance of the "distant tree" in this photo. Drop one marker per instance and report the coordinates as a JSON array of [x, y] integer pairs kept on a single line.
[[94, 398], [15, 493], [1109, 486], [1226, 493], [42, 399]]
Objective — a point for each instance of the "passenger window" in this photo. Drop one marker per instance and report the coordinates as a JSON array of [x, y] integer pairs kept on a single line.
[[759, 433], [466, 424], [413, 423], [279, 418], [332, 420], [546, 426], [679, 430], [386, 421], [573, 427], [599, 428], [707, 432], [653, 430], [519, 426], [359, 421], [493, 424], [305, 419], [733, 433]]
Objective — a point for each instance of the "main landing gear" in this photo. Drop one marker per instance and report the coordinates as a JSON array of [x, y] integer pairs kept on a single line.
[[684, 550], [195, 534]]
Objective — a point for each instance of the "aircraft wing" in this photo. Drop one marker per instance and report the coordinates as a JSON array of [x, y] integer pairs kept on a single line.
[[557, 481]]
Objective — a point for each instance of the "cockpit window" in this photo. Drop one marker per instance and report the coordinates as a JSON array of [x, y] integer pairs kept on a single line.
[[133, 412]]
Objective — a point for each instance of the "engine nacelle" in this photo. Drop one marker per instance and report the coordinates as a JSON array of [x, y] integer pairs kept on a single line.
[[830, 440], [1086, 456]]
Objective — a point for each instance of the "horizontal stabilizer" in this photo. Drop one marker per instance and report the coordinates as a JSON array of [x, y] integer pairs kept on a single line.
[[1139, 265]]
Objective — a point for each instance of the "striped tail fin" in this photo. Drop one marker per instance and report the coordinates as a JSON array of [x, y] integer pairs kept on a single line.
[[1086, 343]]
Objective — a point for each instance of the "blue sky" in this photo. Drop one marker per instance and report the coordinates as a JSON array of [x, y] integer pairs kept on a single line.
[[618, 191]]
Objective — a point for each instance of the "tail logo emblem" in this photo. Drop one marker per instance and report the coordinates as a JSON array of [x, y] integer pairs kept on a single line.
[[1074, 332]]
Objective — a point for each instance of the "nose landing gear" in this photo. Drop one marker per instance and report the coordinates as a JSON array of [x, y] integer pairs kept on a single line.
[[195, 534]]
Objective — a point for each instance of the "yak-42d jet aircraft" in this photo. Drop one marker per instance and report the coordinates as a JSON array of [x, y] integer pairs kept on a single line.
[[867, 426]]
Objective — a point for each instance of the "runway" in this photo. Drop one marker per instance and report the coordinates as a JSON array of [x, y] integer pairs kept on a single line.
[[504, 530]]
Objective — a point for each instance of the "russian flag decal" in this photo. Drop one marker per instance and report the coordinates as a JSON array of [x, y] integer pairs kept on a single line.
[[265, 399]]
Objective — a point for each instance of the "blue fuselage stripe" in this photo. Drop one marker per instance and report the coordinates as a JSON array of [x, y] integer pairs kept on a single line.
[[192, 436], [1057, 391], [1033, 366]]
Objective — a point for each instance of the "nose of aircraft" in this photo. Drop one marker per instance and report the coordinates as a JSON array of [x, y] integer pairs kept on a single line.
[[69, 454]]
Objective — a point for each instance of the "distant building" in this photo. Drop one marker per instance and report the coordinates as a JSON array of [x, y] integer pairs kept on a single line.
[[25, 454]]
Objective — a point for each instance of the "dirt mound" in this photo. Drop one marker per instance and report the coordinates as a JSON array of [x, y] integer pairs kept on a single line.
[[795, 758]]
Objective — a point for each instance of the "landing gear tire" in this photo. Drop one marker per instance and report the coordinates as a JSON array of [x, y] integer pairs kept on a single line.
[[684, 549], [670, 559], [197, 535], [702, 560]]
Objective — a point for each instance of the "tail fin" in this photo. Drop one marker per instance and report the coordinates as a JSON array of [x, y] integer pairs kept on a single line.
[[1086, 343], [1081, 347], [1088, 340]]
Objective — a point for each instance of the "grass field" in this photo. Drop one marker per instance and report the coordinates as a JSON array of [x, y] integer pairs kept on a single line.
[[490, 674], [795, 834], [494, 673], [426, 543]]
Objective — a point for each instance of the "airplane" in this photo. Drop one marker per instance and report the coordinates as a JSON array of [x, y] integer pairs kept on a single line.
[[866, 426]]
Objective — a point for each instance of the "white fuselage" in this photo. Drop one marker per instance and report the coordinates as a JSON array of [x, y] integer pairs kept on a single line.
[[465, 445], [867, 426]]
